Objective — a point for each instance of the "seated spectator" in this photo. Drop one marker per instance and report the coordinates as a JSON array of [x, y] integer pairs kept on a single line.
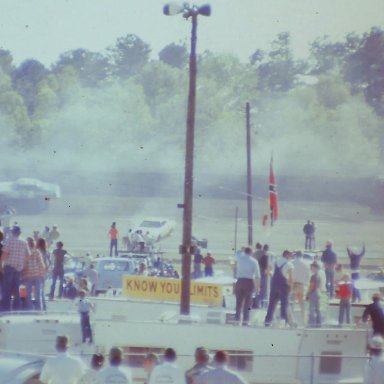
[[115, 373], [167, 372], [201, 366]]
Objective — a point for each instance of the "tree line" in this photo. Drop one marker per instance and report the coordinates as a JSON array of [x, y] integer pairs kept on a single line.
[[332, 102]]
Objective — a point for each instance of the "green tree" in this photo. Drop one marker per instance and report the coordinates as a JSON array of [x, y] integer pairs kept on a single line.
[[91, 67], [129, 55], [161, 82], [364, 68], [174, 55], [27, 79], [6, 61]]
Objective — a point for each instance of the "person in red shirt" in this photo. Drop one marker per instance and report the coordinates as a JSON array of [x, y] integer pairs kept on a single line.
[[345, 296], [113, 235], [208, 262]]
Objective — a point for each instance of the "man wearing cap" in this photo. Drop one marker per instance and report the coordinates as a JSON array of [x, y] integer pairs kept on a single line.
[[248, 280], [374, 367], [201, 366], [14, 257], [375, 312], [281, 284], [62, 369], [115, 373]]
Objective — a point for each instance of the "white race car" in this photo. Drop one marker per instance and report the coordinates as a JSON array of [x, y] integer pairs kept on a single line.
[[156, 228]]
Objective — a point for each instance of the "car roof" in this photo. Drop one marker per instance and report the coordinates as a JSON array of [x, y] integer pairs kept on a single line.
[[12, 364]]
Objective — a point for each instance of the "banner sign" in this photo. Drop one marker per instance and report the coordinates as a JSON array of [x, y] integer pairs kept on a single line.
[[163, 289]]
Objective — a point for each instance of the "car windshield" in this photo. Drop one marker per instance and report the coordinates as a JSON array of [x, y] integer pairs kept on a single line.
[[115, 266], [151, 224]]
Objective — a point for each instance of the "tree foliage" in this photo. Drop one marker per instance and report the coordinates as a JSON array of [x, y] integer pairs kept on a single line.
[[326, 111]]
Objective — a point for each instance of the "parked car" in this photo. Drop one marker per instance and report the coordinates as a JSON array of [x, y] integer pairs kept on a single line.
[[111, 271], [156, 227], [16, 368]]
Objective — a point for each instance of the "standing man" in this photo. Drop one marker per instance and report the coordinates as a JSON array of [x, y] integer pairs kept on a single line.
[[93, 278], [62, 369], [313, 296], [308, 230], [329, 260], [300, 275], [113, 235], [58, 269], [354, 262], [208, 262], [375, 312], [281, 285], [248, 281], [115, 373], [265, 263], [167, 372], [85, 307], [258, 251], [14, 257]]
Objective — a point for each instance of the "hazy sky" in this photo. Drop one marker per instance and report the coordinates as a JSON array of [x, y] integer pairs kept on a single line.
[[42, 29]]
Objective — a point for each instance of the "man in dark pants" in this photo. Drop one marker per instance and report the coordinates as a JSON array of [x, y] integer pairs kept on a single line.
[[329, 260], [309, 231], [248, 280], [281, 285], [354, 262], [58, 269], [375, 312]]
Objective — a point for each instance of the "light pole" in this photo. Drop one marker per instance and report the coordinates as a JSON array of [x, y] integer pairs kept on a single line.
[[186, 249]]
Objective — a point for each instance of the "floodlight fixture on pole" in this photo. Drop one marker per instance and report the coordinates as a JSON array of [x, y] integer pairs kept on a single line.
[[187, 247]]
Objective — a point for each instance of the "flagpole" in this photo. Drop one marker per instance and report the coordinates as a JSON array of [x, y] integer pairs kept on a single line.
[[249, 175]]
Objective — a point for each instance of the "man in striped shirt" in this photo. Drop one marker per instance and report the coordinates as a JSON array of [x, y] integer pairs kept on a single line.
[[14, 256]]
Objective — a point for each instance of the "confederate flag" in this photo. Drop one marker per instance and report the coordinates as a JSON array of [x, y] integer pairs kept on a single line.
[[272, 193]]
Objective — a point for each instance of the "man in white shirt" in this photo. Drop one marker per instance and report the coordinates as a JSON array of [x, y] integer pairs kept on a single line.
[[167, 372], [300, 276], [115, 373], [374, 367], [221, 373], [93, 278], [248, 281], [62, 369]]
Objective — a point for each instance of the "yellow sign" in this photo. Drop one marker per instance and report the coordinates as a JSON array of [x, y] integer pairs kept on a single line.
[[155, 288]]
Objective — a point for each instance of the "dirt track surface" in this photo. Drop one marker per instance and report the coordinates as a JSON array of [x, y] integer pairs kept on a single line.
[[84, 222]]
